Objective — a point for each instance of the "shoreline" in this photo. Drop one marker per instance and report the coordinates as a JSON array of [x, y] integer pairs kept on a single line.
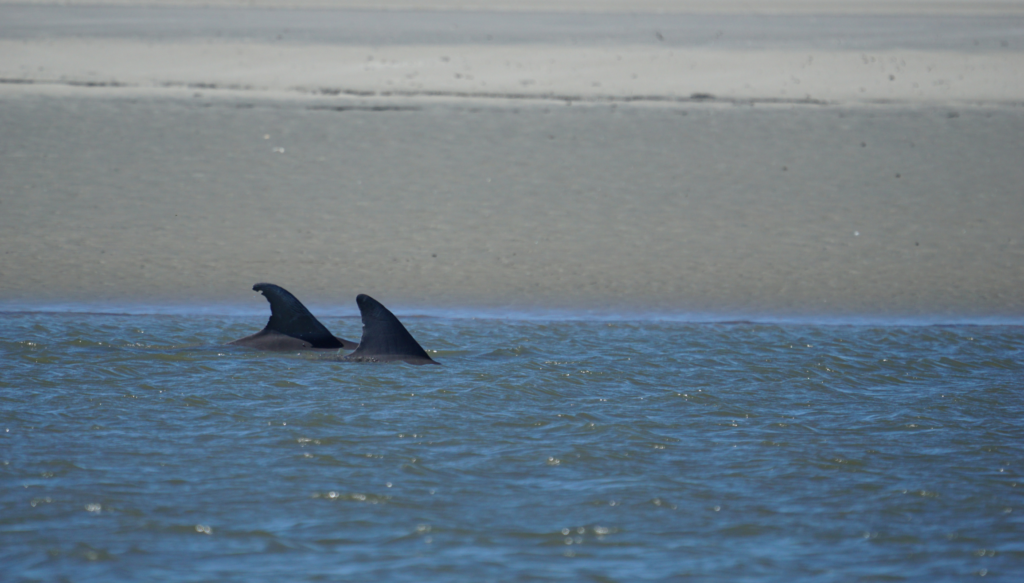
[[412, 312], [730, 7]]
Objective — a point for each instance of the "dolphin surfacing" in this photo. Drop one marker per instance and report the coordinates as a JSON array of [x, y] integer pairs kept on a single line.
[[384, 339], [291, 326]]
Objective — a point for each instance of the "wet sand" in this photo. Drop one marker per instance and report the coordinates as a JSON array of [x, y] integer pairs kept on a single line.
[[146, 165]]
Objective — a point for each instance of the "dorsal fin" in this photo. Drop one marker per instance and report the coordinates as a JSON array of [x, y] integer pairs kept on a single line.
[[289, 319], [384, 337]]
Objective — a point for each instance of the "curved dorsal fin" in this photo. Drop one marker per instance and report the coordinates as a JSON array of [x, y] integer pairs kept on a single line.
[[384, 337], [289, 319]]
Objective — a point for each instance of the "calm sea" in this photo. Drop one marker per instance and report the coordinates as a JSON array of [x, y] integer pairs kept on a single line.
[[139, 448]]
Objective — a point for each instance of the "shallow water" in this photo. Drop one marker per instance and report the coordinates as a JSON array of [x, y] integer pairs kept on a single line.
[[140, 448]]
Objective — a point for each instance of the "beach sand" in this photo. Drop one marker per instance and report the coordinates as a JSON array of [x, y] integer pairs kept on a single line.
[[723, 165]]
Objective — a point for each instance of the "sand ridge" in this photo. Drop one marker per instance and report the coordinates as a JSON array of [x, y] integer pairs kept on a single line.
[[528, 55], [621, 73]]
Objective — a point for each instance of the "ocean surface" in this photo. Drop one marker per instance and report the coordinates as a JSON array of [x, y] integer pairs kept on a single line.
[[140, 448]]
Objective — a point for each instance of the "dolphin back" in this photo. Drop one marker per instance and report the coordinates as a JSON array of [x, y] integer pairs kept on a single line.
[[291, 326]]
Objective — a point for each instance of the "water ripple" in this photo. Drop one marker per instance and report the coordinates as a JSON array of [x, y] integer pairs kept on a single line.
[[133, 445]]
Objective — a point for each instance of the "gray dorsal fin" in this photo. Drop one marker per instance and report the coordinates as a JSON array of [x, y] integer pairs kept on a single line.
[[289, 317], [384, 337]]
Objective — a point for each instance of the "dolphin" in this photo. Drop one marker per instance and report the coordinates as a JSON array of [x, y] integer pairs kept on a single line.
[[384, 339], [291, 326]]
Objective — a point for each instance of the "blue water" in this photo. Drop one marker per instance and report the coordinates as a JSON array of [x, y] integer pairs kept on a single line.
[[139, 448]]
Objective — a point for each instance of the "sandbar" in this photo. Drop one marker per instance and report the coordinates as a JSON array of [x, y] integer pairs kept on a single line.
[[584, 162]]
